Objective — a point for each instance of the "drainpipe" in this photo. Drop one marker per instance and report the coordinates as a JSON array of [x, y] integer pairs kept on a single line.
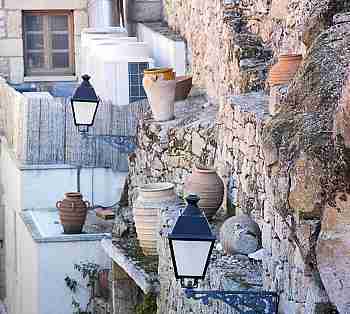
[[101, 13]]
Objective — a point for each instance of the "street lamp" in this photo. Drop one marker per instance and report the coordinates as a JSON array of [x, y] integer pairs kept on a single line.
[[84, 105], [191, 244]]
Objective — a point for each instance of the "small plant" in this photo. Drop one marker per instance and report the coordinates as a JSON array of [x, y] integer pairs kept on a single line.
[[148, 306], [90, 272]]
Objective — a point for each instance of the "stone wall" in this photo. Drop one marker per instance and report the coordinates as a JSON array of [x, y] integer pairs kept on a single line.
[[289, 171], [233, 50], [11, 40], [167, 151]]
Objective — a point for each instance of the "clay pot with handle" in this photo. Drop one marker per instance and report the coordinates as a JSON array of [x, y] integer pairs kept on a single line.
[[284, 70], [206, 183], [72, 212]]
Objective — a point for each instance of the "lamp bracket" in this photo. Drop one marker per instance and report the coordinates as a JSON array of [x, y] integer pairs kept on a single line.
[[244, 302], [124, 143]]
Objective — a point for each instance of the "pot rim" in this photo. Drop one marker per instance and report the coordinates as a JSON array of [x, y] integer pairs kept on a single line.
[[290, 56], [155, 187], [72, 194], [157, 70], [203, 169]]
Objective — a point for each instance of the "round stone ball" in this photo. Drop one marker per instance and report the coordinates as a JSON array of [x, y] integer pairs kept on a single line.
[[240, 235]]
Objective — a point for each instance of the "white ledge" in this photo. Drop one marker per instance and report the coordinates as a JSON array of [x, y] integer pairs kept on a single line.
[[56, 78]]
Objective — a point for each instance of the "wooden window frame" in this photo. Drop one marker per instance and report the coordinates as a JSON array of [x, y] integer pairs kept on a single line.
[[49, 70]]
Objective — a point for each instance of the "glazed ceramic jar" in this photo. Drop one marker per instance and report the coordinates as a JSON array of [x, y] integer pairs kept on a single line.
[[284, 70], [151, 199], [72, 212], [166, 74], [206, 183], [240, 235]]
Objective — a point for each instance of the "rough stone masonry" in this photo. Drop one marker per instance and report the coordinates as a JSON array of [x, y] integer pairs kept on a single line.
[[290, 171]]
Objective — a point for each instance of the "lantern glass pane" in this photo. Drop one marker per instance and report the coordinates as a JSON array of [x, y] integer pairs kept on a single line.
[[191, 257], [84, 112]]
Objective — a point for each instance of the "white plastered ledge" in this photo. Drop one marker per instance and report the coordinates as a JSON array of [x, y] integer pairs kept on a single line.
[[68, 78]]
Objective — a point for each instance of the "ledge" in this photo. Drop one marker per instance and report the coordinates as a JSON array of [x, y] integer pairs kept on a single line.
[[189, 113], [163, 30], [146, 280], [58, 78], [44, 227]]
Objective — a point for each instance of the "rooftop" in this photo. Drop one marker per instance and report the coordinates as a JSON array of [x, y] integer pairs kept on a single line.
[[44, 226]]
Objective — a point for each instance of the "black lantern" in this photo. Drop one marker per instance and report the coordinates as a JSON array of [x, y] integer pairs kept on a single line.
[[84, 104], [191, 243]]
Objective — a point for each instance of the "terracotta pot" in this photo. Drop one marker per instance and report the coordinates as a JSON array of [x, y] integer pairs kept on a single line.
[[208, 186], [161, 97], [72, 211], [284, 70], [166, 74], [152, 197], [183, 87], [240, 235]]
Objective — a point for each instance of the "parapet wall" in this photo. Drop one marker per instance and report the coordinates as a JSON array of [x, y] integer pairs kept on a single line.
[[40, 130]]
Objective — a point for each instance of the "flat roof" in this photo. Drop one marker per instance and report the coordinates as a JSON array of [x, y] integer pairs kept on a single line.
[[44, 225]]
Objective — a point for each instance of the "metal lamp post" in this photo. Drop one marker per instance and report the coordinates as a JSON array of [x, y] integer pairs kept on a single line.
[[85, 103], [191, 244]]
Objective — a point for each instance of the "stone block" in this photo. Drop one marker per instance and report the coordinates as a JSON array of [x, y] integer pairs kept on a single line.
[[198, 144], [4, 67], [14, 24], [16, 70], [3, 21], [11, 47], [333, 252], [305, 187], [45, 4], [146, 11], [279, 9], [81, 21], [267, 237]]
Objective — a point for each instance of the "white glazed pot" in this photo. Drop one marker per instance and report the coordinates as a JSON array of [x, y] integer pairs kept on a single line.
[[161, 97]]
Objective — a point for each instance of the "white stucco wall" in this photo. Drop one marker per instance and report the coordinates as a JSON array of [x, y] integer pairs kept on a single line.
[[43, 186], [35, 271], [11, 185], [165, 51], [26, 291], [11, 41], [56, 261]]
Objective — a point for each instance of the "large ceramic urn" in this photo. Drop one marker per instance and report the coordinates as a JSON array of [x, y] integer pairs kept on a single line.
[[151, 199], [284, 70], [160, 91], [206, 183], [72, 212]]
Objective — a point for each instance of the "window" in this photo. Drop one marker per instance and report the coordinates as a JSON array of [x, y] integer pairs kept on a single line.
[[48, 42], [136, 91]]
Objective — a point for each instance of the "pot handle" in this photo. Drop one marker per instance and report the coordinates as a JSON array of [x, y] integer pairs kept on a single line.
[[87, 203], [58, 204]]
